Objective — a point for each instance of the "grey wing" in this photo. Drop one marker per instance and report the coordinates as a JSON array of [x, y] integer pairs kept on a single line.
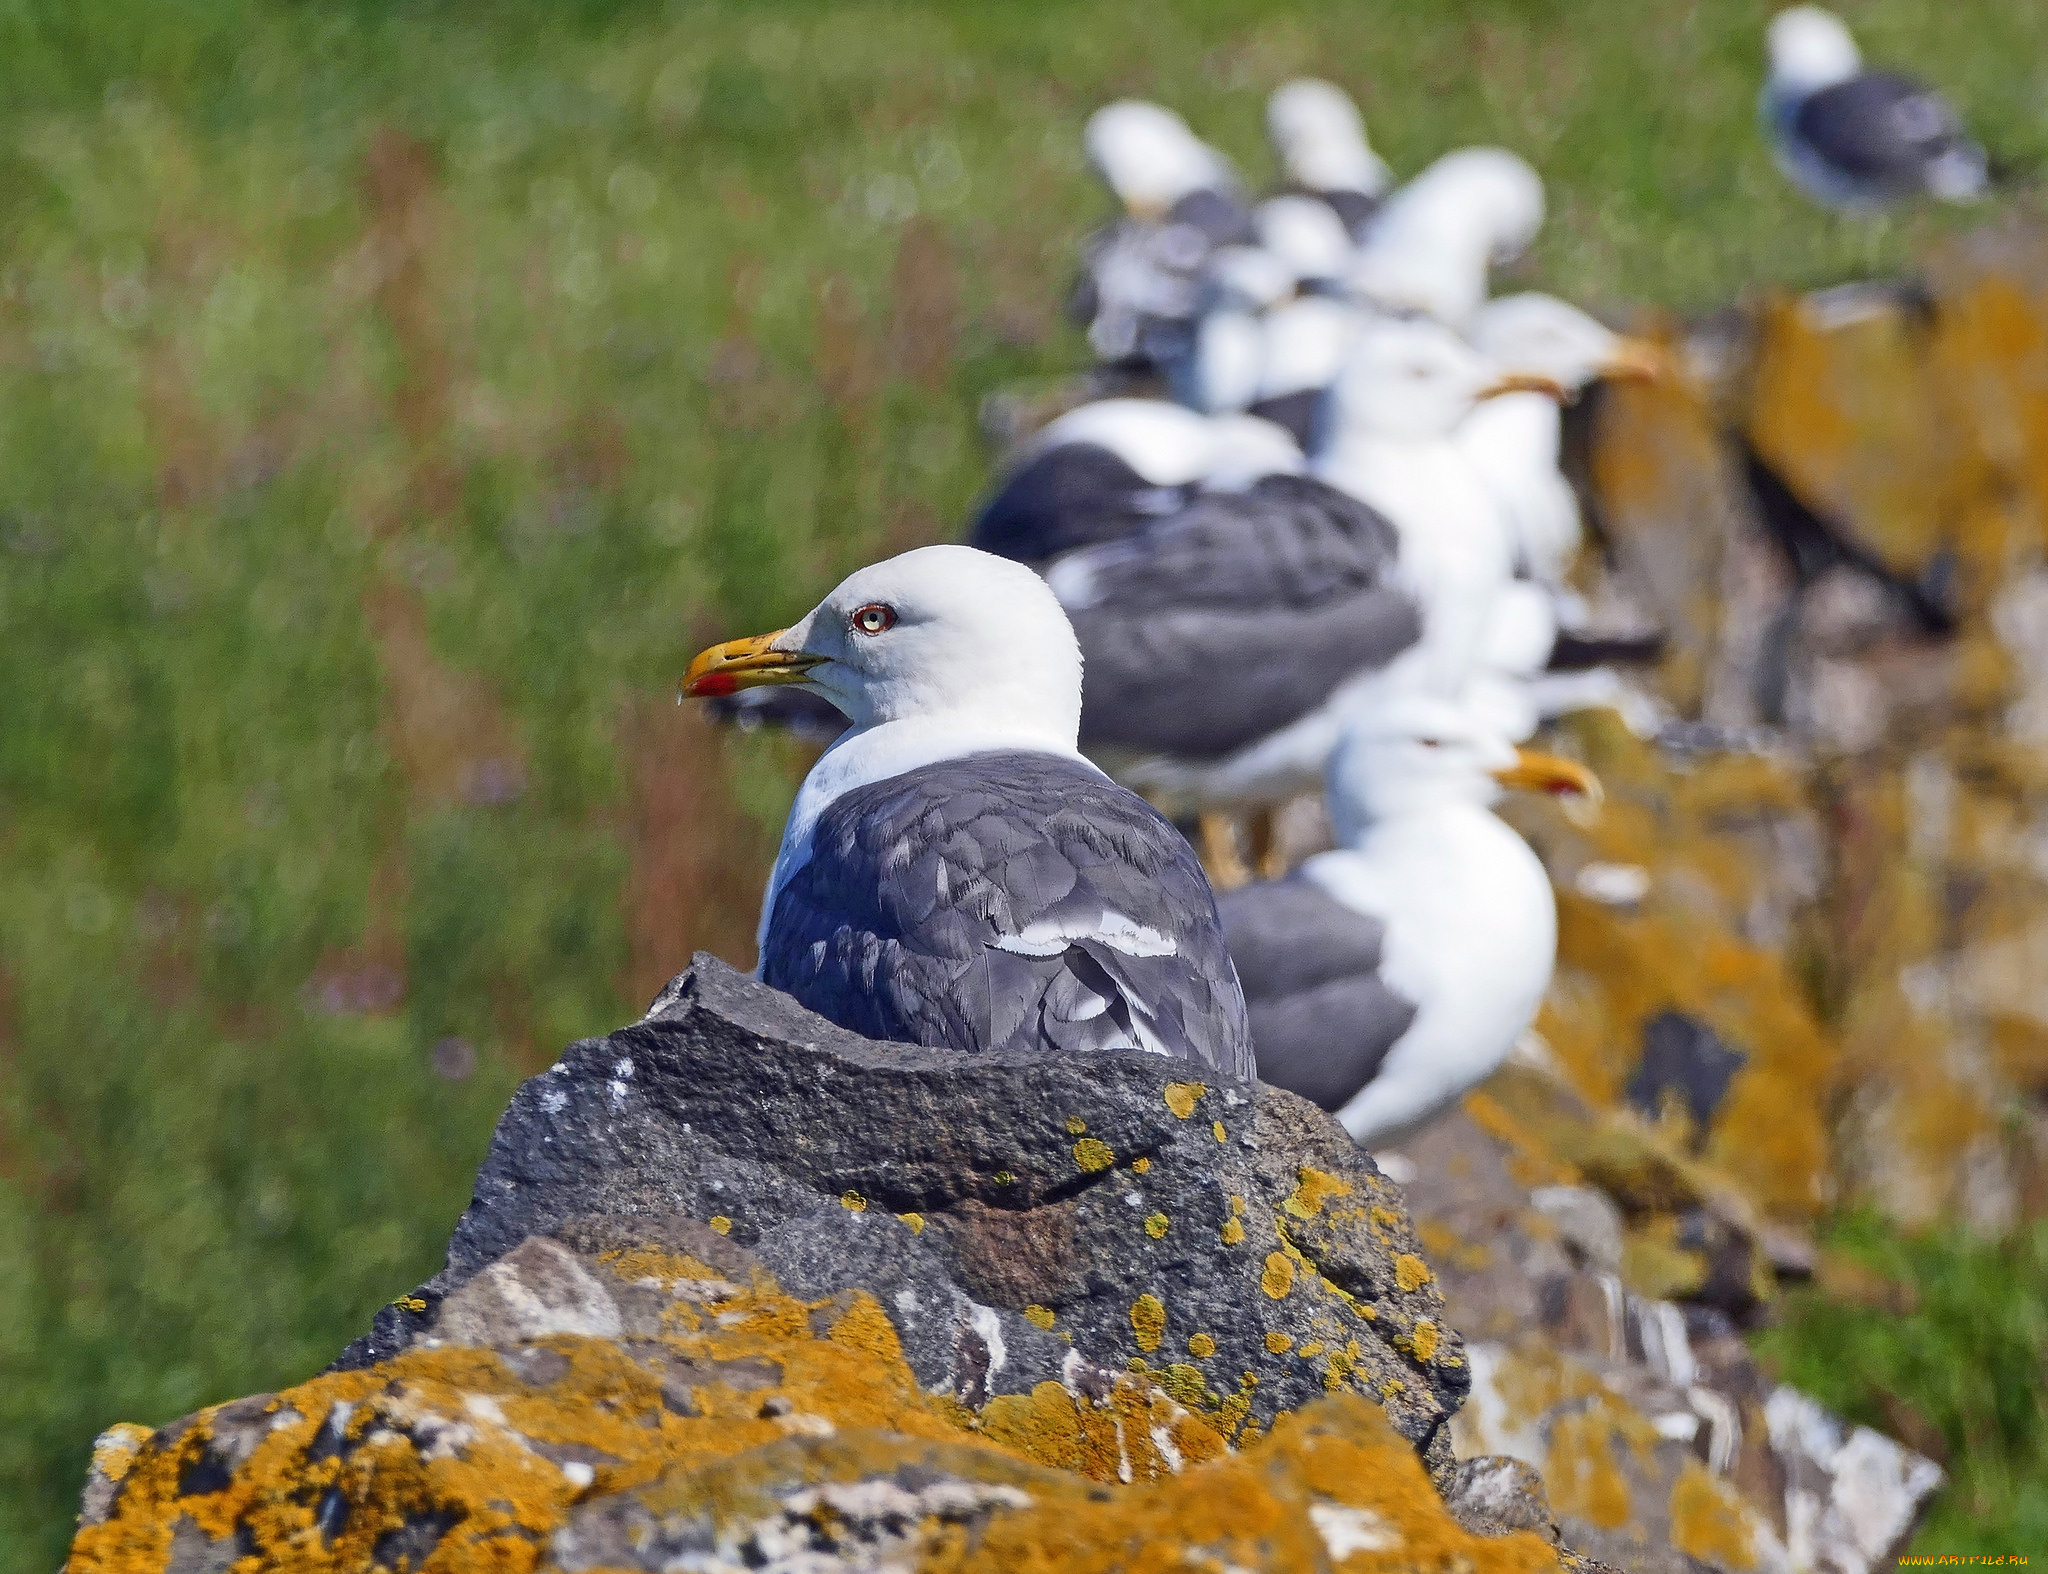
[[1070, 495], [1322, 1017], [1882, 130], [1206, 631], [1009, 901]]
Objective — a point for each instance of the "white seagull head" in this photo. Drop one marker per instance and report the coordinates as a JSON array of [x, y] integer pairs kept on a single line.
[[1811, 49], [1148, 156], [942, 633], [1547, 337], [1417, 753], [1320, 139], [1413, 379]]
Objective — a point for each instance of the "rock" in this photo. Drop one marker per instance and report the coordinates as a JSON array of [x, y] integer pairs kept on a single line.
[[728, 1425], [1020, 1218], [1660, 1443], [741, 1290]]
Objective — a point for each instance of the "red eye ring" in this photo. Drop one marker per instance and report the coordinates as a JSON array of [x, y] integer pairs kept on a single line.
[[874, 618]]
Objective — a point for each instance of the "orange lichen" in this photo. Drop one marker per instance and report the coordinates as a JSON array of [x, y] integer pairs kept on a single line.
[[914, 1220], [1181, 1097], [1093, 1155], [1216, 1130], [1076, 1125], [1232, 1232], [721, 1224], [1411, 1273], [1313, 1188], [1423, 1342], [1708, 1520], [1581, 1473], [1148, 1322], [1041, 1315], [1278, 1277], [1201, 1346], [1278, 1343], [1155, 1225], [853, 1202], [1141, 1166]]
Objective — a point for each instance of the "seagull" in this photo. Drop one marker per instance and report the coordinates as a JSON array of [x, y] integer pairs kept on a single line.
[[1858, 140], [1141, 280], [1406, 391], [954, 873], [1388, 977], [1105, 468], [1222, 643], [1430, 247], [1319, 138], [1514, 441], [1275, 326]]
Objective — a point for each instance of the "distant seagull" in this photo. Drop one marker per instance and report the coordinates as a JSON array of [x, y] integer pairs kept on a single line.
[[1221, 644], [1515, 441], [1858, 140], [1319, 138], [1141, 282], [1389, 977], [1432, 245], [954, 873], [1406, 391], [1105, 468]]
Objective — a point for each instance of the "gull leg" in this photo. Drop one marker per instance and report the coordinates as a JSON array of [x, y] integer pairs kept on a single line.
[[1262, 830], [1219, 851]]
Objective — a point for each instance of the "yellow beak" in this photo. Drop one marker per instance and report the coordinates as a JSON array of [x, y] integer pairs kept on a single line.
[[1639, 361], [1527, 382], [744, 664], [1548, 773]]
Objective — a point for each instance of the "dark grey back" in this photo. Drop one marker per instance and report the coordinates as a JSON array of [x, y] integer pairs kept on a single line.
[[891, 928]]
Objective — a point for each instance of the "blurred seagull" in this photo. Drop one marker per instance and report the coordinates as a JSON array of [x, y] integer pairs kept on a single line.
[[1858, 140], [1407, 390], [1319, 138], [1142, 277], [1514, 441], [954, 873], [1431, 246], [1387, 978], [1221, 644]]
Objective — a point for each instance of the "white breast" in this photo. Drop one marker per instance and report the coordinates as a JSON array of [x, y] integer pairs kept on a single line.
[[1471, 941]]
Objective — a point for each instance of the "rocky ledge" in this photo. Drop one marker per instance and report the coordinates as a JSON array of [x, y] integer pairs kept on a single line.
[[741, 1290]]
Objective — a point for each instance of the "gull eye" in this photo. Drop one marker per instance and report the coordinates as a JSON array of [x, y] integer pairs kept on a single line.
[[874, 618], [1431, 743]]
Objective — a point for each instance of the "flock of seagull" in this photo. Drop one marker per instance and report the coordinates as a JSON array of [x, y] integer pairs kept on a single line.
[[1328, 553]]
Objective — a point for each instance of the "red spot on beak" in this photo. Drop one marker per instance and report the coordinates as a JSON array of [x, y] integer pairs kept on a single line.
[[713, 685]]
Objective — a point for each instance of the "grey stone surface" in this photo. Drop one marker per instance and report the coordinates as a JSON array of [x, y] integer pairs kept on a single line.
[[961, 1192]]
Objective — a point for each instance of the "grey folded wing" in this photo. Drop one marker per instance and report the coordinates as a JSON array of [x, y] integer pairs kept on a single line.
[[1010, 901], [1322, 1017], [1882, 130], [1204, 632]]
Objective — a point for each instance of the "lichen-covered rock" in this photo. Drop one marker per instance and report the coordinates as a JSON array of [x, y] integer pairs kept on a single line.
[[1021, 1219], [638, 1393], [739, 1289], [1660, 1443]]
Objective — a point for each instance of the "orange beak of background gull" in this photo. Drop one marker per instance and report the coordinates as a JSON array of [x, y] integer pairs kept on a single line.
[[1547, 773], [749, 663], [1527, 382], [1638, 361]]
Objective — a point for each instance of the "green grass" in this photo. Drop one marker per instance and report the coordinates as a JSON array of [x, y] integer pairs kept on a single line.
[[393, 396]]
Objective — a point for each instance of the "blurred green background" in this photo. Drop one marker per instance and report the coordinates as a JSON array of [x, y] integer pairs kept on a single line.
[[393, 396]]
